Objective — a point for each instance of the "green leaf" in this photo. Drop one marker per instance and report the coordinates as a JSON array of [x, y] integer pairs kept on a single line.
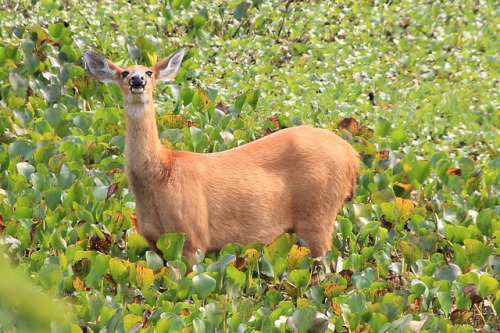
[[171, 244], [304, 318], [300, 277], [448, 272], [196, 136], [382, 128], [170, 323], [53, 115], [488, 285], [136, 244], [4, 158], [399, 135], [57, 241], [109, 114], [400, 325], [421, 171], [379, 197], [118, 270], [53, 197], [21, 148], [50, 275], [446, 302], [457, 234], [198, 20], [70, 53], [25, 169], [277, 251], [154, 261], [101, 264], [253, 98], [56, 29], [241, 10], [204, 285], [483, 221], [476, 252], [235, 275]]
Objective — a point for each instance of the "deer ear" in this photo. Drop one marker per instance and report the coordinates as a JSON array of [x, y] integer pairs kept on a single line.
[[102, 69], [166, 69]]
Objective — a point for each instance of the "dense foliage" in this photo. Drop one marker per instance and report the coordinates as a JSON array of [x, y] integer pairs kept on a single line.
[[413, 85]]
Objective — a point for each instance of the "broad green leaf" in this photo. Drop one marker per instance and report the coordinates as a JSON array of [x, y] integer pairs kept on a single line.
[[118, 270], [253, 98], [50, 275], [56, 29], [171, 244], [400, 325], [277, 251], [21, 148], [25, 169], [304, 318], [53, 197], [300, 277], [484, 221], [155, 262], [382, 128], [476, 252], [448, 272], [198, 20], [204, 285], [54, 115], [421, 171], [488, 285], [445, 301], [196, 136], [241, 10], [169, 323], [235, 275], [345, 227]]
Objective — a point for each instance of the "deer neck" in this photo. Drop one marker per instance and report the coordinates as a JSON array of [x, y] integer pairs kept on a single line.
[[143, 149]]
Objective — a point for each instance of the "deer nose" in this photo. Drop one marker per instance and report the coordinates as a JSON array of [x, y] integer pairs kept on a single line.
[[137, 80]]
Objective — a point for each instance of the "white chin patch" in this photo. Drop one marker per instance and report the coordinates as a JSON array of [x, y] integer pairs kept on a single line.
[[137, 90]]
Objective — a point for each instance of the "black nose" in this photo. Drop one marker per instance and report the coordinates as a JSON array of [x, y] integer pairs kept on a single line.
[[137, 80]]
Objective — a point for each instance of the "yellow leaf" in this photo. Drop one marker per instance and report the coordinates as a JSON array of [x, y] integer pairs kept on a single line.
[[132, 320], [78, 284], [366, 132], [173, 121], [204, 102], [145, 276], [404, 208], [409, 251], [297, 256], [252, 256], [333, 290], [336, 308]]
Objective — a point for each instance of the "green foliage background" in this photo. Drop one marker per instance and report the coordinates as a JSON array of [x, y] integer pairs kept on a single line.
[[413, 85]]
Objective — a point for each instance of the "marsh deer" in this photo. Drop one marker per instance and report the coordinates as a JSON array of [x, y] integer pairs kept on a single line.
[[294, 180]]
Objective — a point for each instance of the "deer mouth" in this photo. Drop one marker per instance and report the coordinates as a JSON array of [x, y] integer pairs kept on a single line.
[[137, 89]]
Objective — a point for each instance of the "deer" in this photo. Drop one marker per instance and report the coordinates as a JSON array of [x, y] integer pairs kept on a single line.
[[294, 180]]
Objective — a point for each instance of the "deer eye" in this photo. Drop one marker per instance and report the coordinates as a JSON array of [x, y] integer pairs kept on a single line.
[[149, 73], [125, 74]]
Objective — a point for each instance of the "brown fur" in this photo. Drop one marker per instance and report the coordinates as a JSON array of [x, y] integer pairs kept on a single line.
[[293, 180]]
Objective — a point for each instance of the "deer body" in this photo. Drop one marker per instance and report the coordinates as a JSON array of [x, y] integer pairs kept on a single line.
[[294, 180]]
